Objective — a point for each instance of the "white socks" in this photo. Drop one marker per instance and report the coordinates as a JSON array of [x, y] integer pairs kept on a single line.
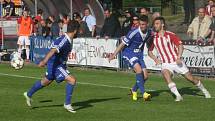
[[20, 52], [174, 90], [27, 53]]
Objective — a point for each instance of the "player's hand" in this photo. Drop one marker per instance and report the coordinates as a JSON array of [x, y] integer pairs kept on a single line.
[[157, 61], [112, 56], [41, 64], [178, 62]]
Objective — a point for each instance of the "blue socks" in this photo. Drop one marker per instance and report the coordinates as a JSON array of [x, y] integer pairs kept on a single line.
[[69, 91], [35, 88], [140, 82], [135, 87]]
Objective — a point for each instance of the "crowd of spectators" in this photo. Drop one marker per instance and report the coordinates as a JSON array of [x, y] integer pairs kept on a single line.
[[200, 28]]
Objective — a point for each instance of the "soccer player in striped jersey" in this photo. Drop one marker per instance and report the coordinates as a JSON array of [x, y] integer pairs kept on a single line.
[[56, 60], [132, 50], [170, 49]]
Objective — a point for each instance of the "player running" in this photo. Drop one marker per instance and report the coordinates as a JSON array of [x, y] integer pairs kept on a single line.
[[170, 49], [132, 50], [56, 66]]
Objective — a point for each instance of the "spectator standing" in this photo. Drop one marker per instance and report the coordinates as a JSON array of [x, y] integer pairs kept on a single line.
[[189, 10], [9, 7], [199, 26], [83, 30], [126, 26], [65, 22], [135, 22], [111, 27], [55, 29], [39, 15], [208, 7], [24, 29], [211, 31], [90, 20]]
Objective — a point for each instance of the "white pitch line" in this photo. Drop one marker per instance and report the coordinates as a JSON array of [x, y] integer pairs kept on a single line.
[[83, 83]]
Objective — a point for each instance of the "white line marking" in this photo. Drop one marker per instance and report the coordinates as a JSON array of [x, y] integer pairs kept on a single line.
[[84, 83]]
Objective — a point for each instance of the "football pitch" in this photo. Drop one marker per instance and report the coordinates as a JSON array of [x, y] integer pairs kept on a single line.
[[101, 95]]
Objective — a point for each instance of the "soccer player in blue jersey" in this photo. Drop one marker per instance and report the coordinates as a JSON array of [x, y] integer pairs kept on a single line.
[[56, 60], [132, 51]]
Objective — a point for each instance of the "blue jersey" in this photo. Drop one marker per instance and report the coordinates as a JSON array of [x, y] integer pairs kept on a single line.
[[56, 66], [63, 46], [135, 40], [133, 51]]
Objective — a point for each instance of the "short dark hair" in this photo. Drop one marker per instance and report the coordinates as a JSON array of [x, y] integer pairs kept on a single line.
[[72, 26], [39, 11], [162, 19], [144, 18]]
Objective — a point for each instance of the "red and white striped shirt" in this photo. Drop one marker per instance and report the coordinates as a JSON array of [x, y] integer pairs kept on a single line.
[[166, 46]]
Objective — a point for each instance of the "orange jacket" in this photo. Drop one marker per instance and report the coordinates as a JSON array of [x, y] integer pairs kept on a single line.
[[24, 26]]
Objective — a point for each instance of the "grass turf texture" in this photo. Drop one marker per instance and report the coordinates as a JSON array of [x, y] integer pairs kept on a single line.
[[94, 101]]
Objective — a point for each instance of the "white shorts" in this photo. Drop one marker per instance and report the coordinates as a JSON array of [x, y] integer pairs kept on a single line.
[[173, 67], [23, 40]]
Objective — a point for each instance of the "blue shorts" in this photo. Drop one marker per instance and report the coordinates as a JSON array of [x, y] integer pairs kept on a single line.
[[131, 58], [58, 73]]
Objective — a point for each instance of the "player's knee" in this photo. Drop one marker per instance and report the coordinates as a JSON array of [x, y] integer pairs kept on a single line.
[[71, 80], [45, 82]]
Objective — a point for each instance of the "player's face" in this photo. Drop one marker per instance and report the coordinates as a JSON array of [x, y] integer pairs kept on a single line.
[[143, 25], [157, 25]]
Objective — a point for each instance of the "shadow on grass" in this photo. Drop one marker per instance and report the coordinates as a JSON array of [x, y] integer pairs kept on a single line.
[[182, 91], [81, 105]]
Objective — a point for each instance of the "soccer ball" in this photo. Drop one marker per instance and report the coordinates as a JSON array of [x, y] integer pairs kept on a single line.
[[17, 63]]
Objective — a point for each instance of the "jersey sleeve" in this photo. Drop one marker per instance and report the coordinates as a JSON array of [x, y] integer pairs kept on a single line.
[[58, 44], [128, 38], [175, 39]]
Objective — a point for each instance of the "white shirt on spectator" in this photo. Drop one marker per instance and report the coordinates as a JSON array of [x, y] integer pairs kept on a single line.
[[64, 29], [90, 20]]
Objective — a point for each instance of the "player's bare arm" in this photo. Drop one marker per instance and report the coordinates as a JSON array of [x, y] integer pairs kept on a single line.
[[118, 49], [151, 55], [180, 51], [47, 57]]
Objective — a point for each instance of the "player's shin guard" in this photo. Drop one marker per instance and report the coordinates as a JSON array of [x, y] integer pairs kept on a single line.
[[140, 82], [173, 89], [35, 88], [69, 91]]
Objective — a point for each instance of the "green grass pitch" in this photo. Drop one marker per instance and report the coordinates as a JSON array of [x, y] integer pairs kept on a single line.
[[100, 95]]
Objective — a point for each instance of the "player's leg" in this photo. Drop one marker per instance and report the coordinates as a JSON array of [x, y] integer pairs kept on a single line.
[[20, 45], [172, 86], [27, 47], [197, 83], [186, 73], [146, 96], [71, 81], [62, 74], [139, 77], [37, 86]]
